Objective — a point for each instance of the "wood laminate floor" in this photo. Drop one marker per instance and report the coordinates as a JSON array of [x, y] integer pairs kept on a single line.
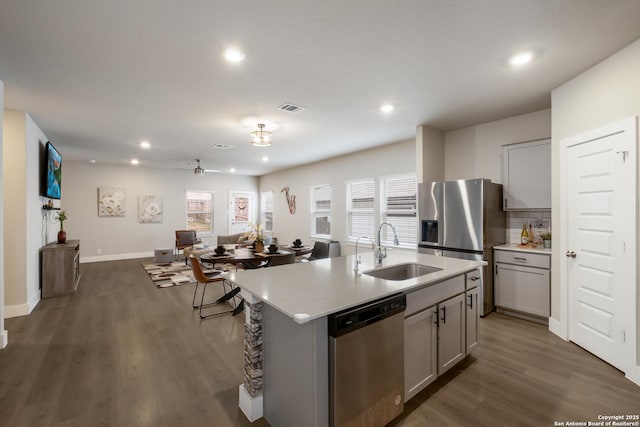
[[122, 352]]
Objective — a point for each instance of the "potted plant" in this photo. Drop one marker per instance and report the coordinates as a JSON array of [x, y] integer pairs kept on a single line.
[[546, 239], [258, 243], [62, 235], [259, 239]]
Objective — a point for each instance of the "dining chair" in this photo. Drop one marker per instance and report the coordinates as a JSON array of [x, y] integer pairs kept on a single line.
[[205, 279], [185, 239], [322, 250], [289, 258]]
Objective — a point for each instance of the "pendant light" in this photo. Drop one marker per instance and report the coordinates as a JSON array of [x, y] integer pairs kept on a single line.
[[261, 137]]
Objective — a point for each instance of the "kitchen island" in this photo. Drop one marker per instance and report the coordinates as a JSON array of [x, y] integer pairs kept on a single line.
[[286, 337]]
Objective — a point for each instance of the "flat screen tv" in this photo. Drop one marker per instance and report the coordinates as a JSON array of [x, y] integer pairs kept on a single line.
[[53, 172]]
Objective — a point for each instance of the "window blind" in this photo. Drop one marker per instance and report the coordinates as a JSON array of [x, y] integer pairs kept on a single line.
[[321, 210], [200, 212], [400, 208], [361, 208]]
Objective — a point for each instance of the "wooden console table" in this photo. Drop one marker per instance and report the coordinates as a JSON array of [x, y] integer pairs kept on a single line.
[[60, 268]]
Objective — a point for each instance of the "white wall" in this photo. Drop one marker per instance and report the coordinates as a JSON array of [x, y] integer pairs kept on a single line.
[[608, 92], [4, 336], [476, 151], [391, 159], [22, 210], [125, 237]]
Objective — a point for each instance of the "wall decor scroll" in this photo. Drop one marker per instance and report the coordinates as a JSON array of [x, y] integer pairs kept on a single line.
[[291, 200], [111, 201], [150, 209]]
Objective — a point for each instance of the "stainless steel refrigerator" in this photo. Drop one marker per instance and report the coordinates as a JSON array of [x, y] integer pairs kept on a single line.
[[463, 219]]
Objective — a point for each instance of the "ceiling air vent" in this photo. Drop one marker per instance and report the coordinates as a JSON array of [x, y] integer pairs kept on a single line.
[[292, 108], [222, 146]]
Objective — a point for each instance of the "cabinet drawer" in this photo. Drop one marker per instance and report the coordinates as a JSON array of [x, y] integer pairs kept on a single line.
[[523, 258], [432, 295], [474, 279]]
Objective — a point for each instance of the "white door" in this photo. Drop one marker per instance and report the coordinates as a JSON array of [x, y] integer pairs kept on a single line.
[[241, 211], [600, 247]]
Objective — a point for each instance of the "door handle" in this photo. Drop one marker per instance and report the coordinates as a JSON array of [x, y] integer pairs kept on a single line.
[[444, 314], [471, 301], [570, 254]]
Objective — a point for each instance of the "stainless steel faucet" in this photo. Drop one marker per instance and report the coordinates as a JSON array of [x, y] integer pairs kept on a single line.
[[381, 252], [357, 260]]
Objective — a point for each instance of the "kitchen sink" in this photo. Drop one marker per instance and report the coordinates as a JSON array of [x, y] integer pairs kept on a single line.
[[402, 271]]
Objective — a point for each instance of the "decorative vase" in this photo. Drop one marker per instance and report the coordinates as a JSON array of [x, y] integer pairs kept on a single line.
[[547, 243], [259, 246], [62, 236]]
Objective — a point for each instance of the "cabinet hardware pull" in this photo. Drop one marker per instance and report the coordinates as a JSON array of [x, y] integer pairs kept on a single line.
[[517, 258], [471, 301], [444, 314], [474, 278]]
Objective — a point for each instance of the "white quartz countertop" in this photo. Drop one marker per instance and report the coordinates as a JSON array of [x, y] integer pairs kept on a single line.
[[308, 291], [514, 247]]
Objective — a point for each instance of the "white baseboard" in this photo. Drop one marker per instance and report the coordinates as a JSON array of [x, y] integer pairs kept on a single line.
[[31, 304], [21, 309], [16, 310], [633, 375], [4, 339], [251, 406], [116, 257], [558, 328]]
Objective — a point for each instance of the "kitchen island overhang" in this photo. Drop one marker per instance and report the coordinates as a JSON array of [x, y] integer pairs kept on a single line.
[[286, 320]]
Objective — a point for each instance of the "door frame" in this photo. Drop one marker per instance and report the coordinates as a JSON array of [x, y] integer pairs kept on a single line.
[[561, 328]]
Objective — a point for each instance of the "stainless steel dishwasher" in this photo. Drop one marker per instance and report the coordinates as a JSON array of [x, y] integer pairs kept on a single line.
[[366, 363]]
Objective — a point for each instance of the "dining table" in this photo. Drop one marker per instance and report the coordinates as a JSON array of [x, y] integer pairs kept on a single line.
[[241, 255], [299, 250]]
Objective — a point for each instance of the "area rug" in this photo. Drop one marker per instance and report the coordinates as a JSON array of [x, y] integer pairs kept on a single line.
[[170, 274], [165, 275]]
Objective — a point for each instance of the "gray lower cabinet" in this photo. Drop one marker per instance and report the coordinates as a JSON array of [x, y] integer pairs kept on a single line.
[[522, 282], [420, 350], [451, 333], [471, 303], [436, 332]]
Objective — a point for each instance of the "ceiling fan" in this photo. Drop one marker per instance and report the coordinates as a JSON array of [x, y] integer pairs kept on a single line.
[[198, 170]]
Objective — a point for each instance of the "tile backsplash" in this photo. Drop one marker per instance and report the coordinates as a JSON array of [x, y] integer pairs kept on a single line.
[[539, 220]]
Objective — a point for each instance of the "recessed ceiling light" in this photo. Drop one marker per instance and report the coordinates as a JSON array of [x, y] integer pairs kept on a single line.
[[232, 170], [134, 161], [233, 55], [145, 144], [265, 159], [92, 161], [520, 59], [386, 108]]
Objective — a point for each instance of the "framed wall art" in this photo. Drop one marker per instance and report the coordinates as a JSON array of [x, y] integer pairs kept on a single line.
[[111, 201], [150, 209]]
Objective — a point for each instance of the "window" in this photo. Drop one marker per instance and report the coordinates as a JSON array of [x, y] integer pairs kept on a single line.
[[266, 211], [399, 208], [200, 212], [321, 211], [360, 208]]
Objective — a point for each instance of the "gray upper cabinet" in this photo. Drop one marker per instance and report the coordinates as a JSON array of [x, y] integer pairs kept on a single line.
[[526, 175]]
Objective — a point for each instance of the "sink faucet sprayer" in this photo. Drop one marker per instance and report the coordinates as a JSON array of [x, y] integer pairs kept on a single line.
[[358, 259], [380, 254]]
